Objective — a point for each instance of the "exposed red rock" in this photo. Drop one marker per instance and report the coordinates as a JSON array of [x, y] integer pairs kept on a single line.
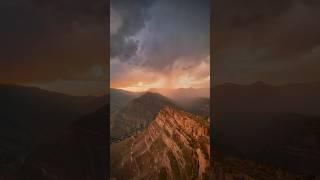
[[174, 146]]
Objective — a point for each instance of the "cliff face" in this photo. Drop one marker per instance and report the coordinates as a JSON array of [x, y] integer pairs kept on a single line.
[[174, 146]]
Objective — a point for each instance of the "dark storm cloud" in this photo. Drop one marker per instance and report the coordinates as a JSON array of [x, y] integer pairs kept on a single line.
[[266, 40], [132, 16], [51, 39], [160, 44], [164, 30], [178, 30]]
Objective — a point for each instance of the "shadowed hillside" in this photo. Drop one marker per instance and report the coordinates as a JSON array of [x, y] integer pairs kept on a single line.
[[136, 115], [31, 116], [119, 98], [80, 153], [276, 125]]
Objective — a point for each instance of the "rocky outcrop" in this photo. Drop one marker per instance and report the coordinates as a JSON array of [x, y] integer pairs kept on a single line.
[[174, 146]]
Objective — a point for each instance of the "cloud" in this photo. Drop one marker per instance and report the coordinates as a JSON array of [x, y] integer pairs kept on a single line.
[[159, 32], [42, 41], [140, 78], [177, 30], [264, 40], [115, 21], [132, 17], [166, 44]]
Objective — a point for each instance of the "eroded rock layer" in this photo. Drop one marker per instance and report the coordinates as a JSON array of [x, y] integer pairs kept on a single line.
[[174, 146]]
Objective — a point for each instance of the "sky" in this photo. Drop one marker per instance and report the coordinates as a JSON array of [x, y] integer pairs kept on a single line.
[[62, 45], [274, 41], [159, 44], [55, 45]]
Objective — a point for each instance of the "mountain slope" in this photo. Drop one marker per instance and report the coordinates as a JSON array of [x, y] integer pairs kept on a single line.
[[119, 98], [174, 146], [263, 98], [31, 116], [234, 169], [80, 153], [278, 125], [136, 115], [199, 106]]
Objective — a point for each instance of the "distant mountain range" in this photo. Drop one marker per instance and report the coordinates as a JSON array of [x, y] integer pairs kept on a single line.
[[32, 116], [277, 125], [199, 106], [264, 98], [182, 95]]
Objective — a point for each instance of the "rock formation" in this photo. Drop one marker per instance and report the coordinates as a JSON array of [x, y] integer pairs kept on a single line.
[[174, 146]]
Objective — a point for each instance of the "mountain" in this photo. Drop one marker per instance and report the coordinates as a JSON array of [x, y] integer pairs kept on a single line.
[[199, 106], [31, 116], [263, 98], [276, 125], [182, 94], [234, 169], [79, 153], [174, 146], [119, 98], [136, 115]]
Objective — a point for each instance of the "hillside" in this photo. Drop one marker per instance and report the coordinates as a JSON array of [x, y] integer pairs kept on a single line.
[[136, 115], [119, 98], [277, 125], [174, 146], [79, 153], [31, 116]]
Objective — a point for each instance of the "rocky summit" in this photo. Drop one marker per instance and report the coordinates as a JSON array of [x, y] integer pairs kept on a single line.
[[174, 146]]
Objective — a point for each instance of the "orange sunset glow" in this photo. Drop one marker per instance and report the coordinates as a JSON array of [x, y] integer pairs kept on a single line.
[[180, 75]]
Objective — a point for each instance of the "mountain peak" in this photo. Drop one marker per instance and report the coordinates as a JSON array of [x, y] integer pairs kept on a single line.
[[137, 114]]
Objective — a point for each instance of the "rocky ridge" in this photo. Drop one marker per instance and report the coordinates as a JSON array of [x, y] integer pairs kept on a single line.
[[174, 146]]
